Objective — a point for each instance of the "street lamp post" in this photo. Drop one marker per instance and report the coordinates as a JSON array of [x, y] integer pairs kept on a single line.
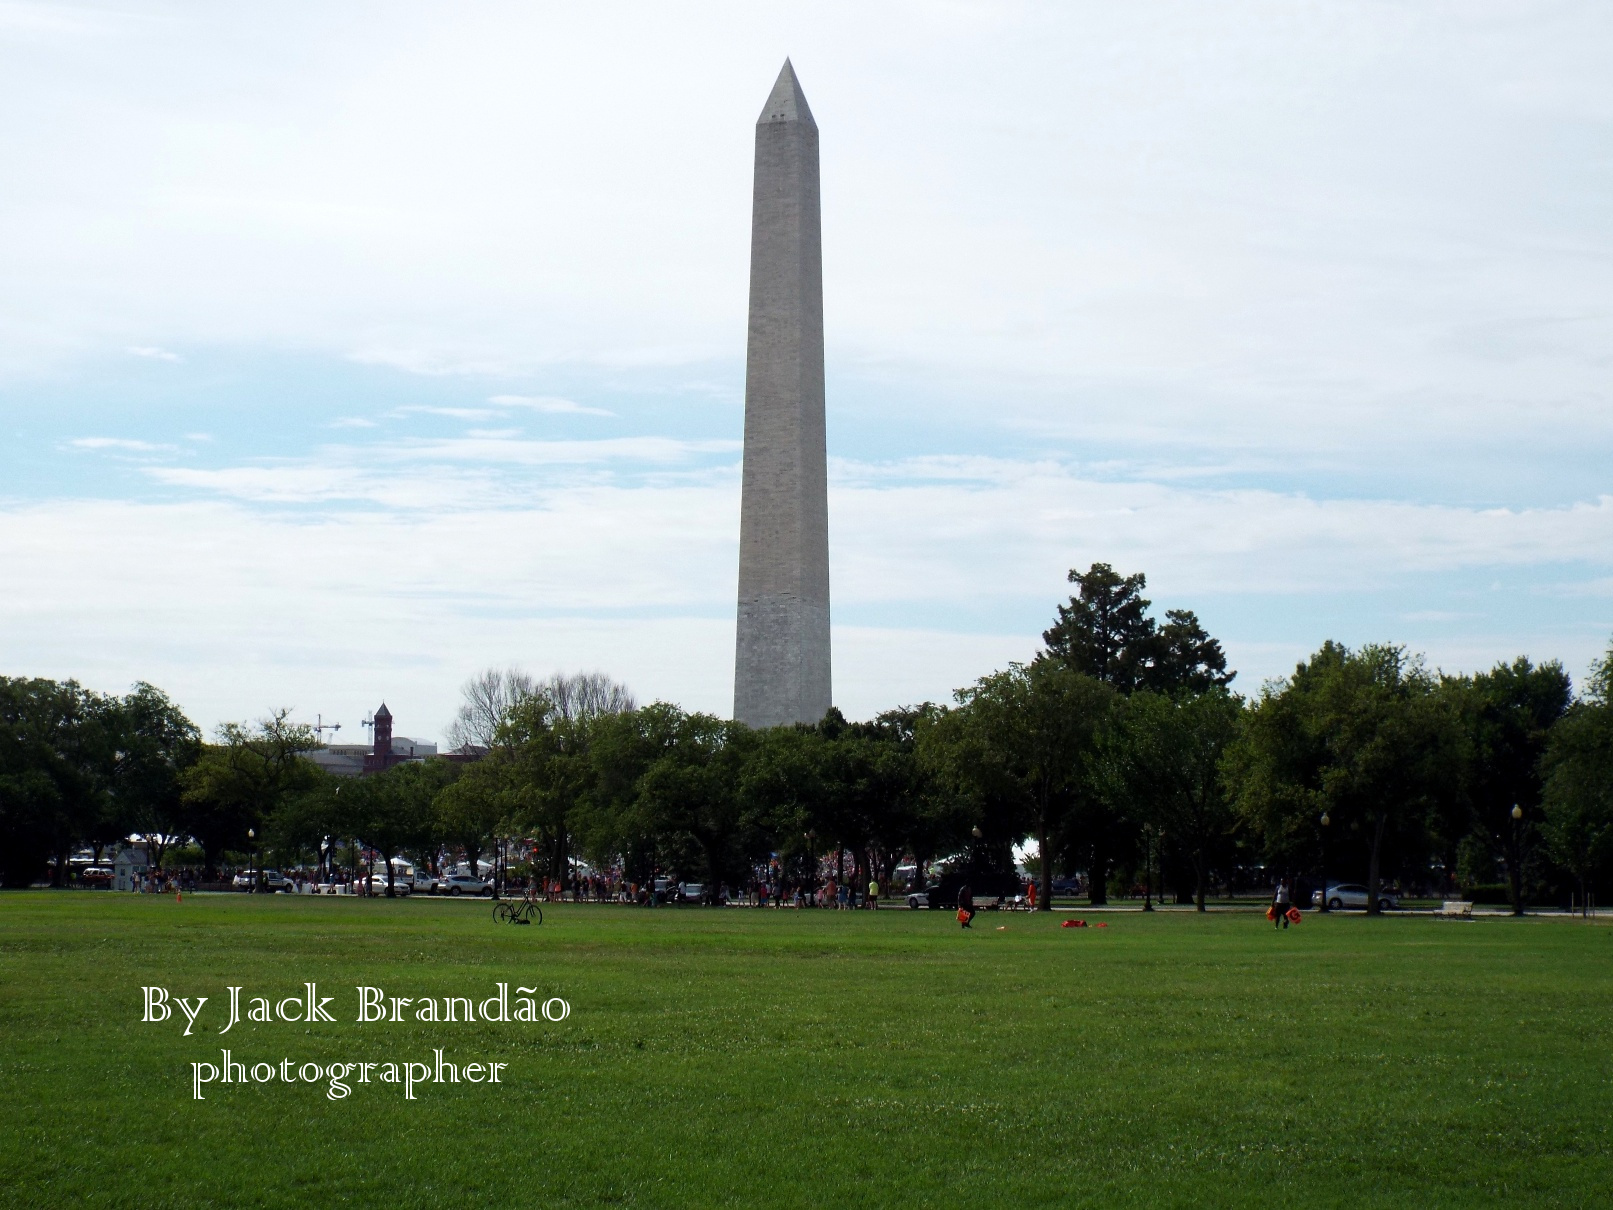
[[1515, 860], [1325, 822], [252, 838], [1148, 868]]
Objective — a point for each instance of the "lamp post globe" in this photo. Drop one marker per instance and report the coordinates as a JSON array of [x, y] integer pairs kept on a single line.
[[1322, 894], [1515, 860]]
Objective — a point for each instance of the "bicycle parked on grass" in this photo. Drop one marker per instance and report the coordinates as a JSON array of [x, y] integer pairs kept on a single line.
[[521, 911]]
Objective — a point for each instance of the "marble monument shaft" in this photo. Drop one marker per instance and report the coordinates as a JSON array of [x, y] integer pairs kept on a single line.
[[781, 667]]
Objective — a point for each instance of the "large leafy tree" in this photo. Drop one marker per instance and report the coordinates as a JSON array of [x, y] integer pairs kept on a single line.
[[1577, 799], [1106, 633], [545, 753], [244, 778], [621, 748], [58, 752], [542, 747], [477, 806], [1507, 716], [156, 745], [1036, 728], [789, 789], [1165, 757], [978, 811], [895, 792], [1358, 735], [689, 796], [394, 811]]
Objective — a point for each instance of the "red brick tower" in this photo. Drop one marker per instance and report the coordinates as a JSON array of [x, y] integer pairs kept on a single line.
[[380, 758]]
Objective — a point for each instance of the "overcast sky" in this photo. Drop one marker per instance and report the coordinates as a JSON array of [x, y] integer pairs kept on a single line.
[[346, 349]]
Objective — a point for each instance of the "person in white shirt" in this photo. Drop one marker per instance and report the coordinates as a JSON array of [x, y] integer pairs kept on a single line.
[[1280, 903]]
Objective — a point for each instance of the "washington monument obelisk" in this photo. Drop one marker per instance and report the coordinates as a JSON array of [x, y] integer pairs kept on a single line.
[[781, 665]]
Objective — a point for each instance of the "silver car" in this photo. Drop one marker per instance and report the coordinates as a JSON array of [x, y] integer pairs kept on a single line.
[[1341, 895]]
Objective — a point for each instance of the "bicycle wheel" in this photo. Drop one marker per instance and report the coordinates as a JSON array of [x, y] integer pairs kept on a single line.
[[502, 913], [534, 913]]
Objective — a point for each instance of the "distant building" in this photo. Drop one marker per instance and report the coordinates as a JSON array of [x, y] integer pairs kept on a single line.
[[340, 760], [128, 867], [351, 760]]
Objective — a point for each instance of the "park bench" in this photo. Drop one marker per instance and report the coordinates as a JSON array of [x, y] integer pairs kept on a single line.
[[1459, 908]]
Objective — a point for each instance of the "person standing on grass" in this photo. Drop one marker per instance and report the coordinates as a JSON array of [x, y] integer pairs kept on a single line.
[[873, 893], [1280, 901], [966, 904]]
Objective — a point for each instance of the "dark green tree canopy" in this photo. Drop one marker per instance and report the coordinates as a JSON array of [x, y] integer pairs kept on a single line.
[[1105, 632]]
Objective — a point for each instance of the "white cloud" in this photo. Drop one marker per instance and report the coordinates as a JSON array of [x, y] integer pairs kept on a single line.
[[481, 468], [550, 404], [950, 528], [1329, 254], [439, 570], [454, 413], [21, 17], [1234, 225], [655, 451], [127, 444]]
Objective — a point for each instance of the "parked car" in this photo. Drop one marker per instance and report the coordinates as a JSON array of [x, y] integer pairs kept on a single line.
[[918, 899], [274, 880], [95, 876], [465, 884], [400, 885], [425, 884], [691, 892], [1066, 886], [1342, 895], [987, 887]]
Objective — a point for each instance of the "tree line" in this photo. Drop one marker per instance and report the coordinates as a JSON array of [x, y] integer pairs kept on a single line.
[[1121, 750]]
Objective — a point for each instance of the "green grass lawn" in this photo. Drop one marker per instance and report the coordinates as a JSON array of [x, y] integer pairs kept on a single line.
[[837, 1059]]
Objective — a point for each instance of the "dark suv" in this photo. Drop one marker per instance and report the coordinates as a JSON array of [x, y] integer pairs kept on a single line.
[[986, 886]]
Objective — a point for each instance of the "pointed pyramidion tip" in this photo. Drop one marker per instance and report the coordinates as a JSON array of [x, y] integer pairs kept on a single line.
[[786, 103]]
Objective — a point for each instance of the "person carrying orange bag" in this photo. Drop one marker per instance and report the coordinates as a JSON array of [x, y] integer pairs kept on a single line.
[[1281, 905], [966, 905]]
